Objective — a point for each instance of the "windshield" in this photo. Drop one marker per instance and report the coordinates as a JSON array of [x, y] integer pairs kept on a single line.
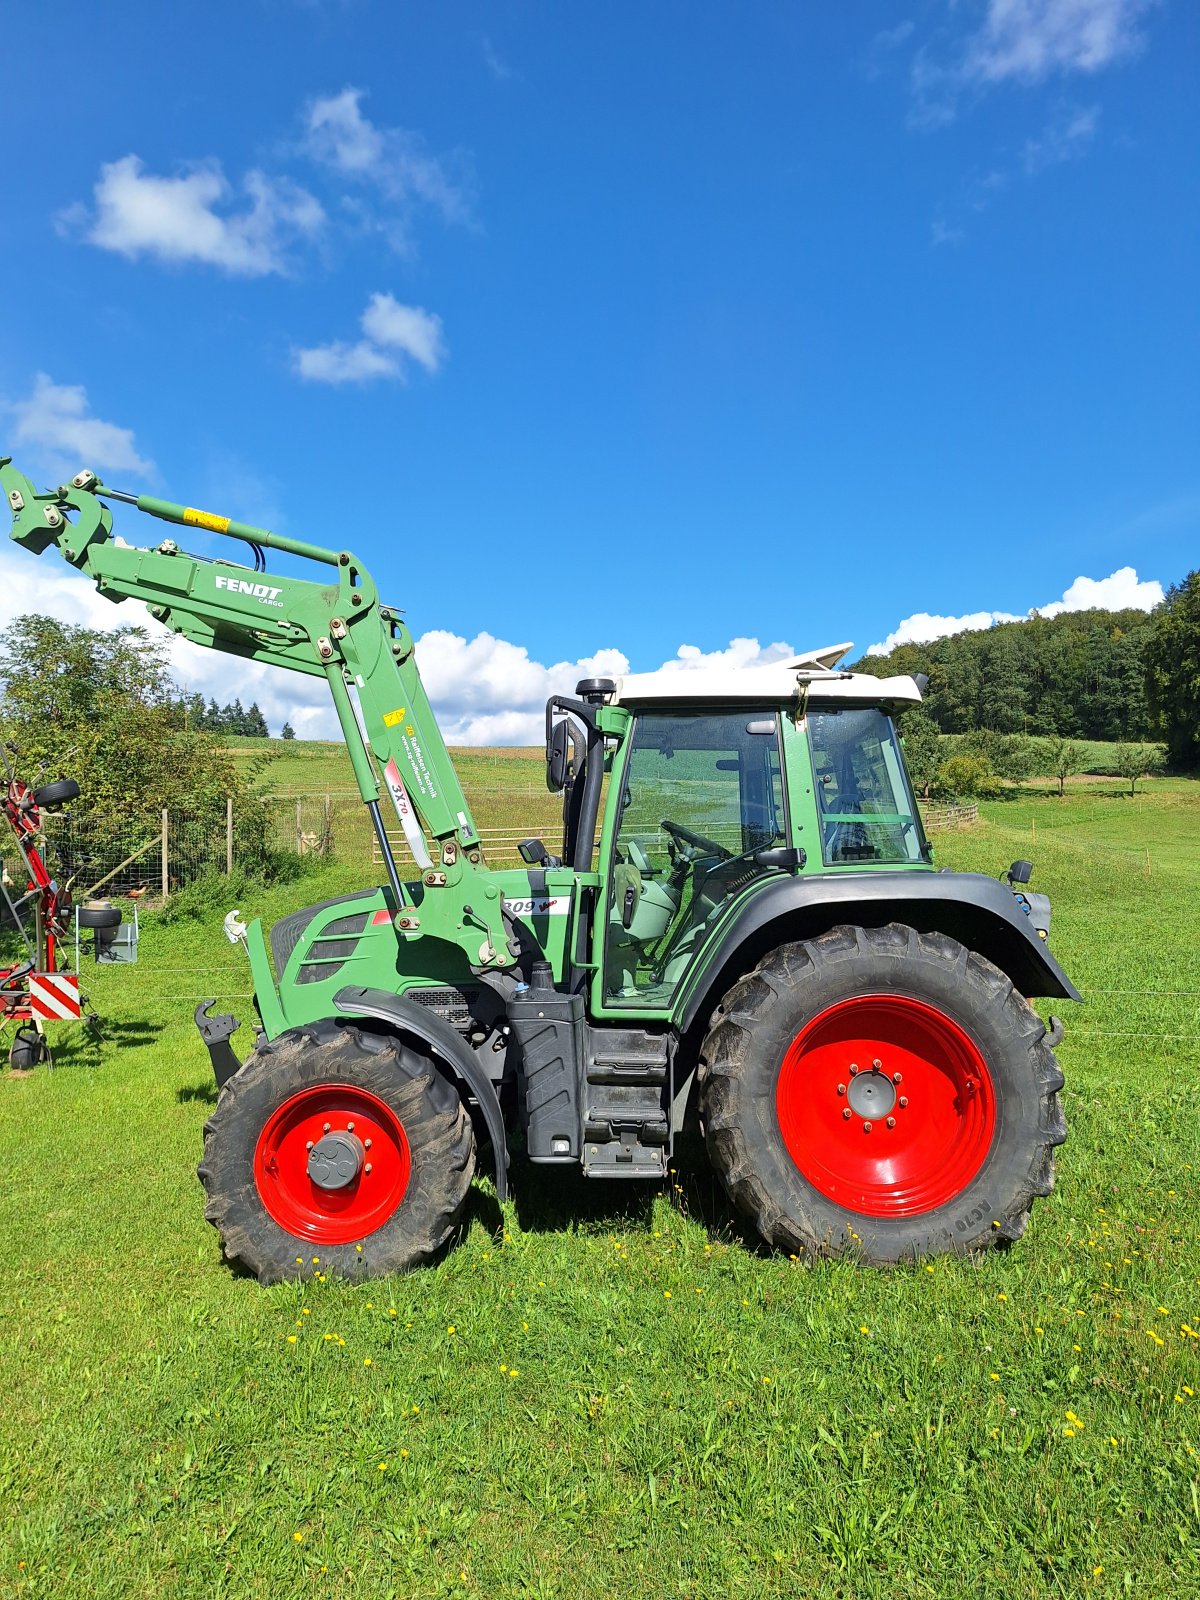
[[864, 799]]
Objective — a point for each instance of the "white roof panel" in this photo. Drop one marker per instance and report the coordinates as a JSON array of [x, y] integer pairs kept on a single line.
[[781, 680]]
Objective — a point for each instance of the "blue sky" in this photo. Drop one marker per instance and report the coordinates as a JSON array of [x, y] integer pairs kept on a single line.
[[605, 331]]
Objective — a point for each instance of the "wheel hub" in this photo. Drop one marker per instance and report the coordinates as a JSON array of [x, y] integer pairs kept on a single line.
[[886, 1105], [871, 1095], [332, 1163], [336, 1160]]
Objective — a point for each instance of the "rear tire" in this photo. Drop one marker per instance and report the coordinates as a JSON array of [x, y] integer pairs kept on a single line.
[[953, 1100], [390, 1216]]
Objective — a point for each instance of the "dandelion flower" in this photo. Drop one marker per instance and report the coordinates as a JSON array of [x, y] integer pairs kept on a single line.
[[450, 1328], [366, 1361], [298, 1537], [383, 1466]]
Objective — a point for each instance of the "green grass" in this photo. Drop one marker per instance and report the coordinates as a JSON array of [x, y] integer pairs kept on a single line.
[[604, 1391]]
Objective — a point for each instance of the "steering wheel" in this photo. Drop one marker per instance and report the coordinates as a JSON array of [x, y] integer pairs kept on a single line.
[[710, 846]]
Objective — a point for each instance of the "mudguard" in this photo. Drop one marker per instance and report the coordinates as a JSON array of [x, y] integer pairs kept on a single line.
[[448, 1046], [978, 911]]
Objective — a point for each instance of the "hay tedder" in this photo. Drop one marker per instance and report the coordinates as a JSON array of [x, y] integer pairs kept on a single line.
[[43, 920], [741, 930]]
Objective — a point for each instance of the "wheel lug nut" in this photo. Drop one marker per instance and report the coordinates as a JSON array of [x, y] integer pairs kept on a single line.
[[367, 1168], [853, 1068], [903, 1100], [325, 1128], [897, 1077], [846, 1114], [366, 1144], [877, 1064], [349, 1127], [866, 1127], [841, 1088], [309, 1145], [891, 1122]]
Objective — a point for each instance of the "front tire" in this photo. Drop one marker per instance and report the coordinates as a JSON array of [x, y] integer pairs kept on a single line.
[[338, 1144], [882, 1092]]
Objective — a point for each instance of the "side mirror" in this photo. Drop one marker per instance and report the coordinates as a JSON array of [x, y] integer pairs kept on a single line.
[[558, 757], [785, 857], [532, 852], [1020, 872]]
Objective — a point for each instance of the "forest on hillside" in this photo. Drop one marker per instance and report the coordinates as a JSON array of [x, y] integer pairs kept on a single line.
[[1112, 675]]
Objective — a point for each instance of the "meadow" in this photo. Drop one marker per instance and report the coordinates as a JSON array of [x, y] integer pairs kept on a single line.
[[607, 1390]]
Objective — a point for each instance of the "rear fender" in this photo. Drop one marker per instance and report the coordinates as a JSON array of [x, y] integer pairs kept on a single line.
[[447, 1046], [978, 911]]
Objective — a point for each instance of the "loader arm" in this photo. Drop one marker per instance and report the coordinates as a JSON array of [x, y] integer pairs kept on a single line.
[[337, 630]]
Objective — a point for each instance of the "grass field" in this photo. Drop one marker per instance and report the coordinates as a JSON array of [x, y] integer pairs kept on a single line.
[[605, 1391]]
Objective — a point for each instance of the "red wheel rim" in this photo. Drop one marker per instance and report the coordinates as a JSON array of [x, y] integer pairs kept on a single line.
[[311, 1210], [922, 1109]]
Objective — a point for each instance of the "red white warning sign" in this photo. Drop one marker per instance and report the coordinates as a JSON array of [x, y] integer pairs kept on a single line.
[[54, 995]]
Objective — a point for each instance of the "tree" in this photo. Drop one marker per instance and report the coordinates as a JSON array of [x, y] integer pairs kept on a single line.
[[1172, 660], [1066, 759], [100, 707], [1134, 761], [256, 723], [287, 731], [922, 747], [966, 777]]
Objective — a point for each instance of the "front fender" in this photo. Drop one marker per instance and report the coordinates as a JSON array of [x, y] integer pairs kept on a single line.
[[978, 911], [449, 1048]]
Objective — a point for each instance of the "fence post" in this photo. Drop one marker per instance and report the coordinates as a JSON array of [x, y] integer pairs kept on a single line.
[[228, 835], [299, 828], [164, 852]]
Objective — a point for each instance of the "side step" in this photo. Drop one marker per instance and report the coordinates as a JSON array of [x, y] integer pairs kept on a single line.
[[626, 1104]]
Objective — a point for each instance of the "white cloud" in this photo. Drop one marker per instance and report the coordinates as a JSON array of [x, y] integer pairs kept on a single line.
[[493, 60], [196, 217], [344, 363], [409, 328], [1120, 591], [389, 327], [55, 422], [1066, 137], [395, 161], [1031, 39], [1023, 41], [341, 136], [942, 232]]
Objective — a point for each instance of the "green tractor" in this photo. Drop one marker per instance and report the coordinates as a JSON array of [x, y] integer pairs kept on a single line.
[[741, 930]]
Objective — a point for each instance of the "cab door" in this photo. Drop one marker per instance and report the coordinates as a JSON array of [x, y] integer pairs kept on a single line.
[[700, 793]]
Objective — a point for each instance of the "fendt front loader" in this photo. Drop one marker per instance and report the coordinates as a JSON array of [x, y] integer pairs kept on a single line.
[[742, 928]]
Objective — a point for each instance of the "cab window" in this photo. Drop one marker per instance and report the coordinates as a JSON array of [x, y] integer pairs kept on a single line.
[[864, 799], [702, 794]]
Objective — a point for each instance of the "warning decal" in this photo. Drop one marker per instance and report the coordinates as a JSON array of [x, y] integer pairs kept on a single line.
[[54, 995], [205, 519]]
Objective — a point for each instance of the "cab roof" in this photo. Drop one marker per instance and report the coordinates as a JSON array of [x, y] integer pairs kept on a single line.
[[816, 673]]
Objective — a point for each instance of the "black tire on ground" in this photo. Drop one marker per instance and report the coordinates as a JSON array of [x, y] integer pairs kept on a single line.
[[28, 1050], [56, 794], [955, 991], [440, 1139], [99, 916]]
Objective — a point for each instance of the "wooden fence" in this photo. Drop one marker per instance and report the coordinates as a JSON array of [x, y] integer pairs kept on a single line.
[[948, 818]]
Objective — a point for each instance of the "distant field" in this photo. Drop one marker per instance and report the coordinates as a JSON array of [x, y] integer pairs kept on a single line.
[[604, 1390]]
